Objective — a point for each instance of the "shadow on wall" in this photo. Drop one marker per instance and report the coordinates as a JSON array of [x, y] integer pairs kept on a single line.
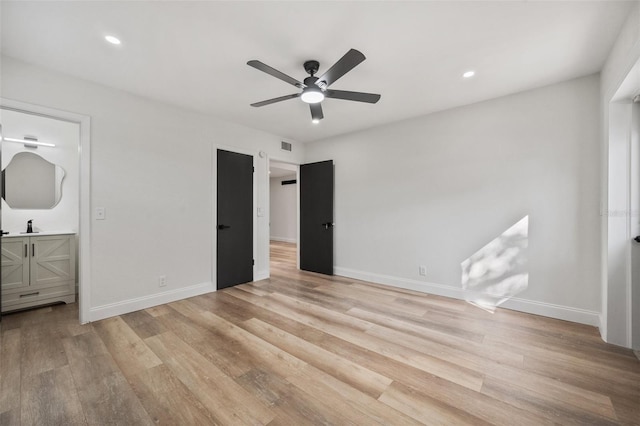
[[498, 271]]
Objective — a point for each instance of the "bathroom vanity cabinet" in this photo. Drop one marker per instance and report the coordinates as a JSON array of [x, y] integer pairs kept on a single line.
[[38, 269]]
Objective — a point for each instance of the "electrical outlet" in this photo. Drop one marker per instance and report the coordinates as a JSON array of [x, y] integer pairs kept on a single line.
[[162, 281], [422, 270], [100, 213]]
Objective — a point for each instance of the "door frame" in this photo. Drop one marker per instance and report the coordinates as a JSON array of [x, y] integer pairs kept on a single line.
[[84, 159], [268, 208], [214, 208]]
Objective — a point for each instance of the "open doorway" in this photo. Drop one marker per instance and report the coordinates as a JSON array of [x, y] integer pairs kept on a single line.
[[40, 211], [621, 289], [283, 215]]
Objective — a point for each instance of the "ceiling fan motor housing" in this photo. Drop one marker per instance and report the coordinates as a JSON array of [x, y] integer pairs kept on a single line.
[[311, 67], [310, 80]]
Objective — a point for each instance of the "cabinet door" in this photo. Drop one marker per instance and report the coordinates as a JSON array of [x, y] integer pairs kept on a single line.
[[15, 263], [53, 260]]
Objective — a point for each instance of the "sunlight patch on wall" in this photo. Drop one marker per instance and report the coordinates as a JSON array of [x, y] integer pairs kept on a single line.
[[498, 271]]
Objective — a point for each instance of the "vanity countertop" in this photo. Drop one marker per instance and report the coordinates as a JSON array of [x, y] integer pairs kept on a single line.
[[36, 234]]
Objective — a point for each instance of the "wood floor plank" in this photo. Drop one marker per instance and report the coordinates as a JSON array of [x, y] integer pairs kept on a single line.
[[425, 409], [290, 406], [227, 401], [143, 324], [541, 403], [41, 348], [10, 376], [584, 373], [89, 359], [224, 305], [215, 347], [350, 405], [156, 311], [110, 400], [104, 393], [361, 378], [435, 341], [382, 316], [125, 346], [50, 398], [268, 356], [167, 400], [552, 345]]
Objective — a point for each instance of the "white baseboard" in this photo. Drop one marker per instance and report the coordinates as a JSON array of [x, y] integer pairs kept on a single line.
[[119, 308], [566, 313], [283, 239], [261, 275]]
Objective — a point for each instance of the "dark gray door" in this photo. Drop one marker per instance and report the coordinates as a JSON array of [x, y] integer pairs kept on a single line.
[[1, 231], [235, 219], [316, 217]]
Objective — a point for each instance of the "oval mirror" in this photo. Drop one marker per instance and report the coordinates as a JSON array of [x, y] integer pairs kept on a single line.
[[31, 182]]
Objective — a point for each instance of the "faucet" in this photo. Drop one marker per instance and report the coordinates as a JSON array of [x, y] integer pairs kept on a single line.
[[30, 226]]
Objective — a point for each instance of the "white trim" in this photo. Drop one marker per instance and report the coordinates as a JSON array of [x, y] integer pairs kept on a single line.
[[603, 326], [566, 313], [84, 230], [132, 305], [261, 275], [284, 240]]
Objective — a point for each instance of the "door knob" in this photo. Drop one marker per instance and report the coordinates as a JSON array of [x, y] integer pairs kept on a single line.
[[221, 227], [328, 225]]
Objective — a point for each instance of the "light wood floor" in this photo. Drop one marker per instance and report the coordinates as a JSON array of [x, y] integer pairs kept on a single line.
[[303, 348]]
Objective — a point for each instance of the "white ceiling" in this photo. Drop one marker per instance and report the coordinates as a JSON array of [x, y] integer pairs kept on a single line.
[[275, 172], [279, 170], [194, 54]]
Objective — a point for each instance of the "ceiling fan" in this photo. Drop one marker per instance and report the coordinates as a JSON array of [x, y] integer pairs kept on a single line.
[[316, 89]]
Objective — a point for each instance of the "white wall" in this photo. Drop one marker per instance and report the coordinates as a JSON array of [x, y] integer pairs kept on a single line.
[[151, 168], [433, 190], [616, 222], [65, 135], [283, 210]]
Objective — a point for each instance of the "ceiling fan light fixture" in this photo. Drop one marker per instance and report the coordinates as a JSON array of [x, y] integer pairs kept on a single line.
[[315, 120], [312, 95]]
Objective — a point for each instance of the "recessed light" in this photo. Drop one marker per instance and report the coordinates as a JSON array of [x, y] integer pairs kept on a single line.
[[112, 39], [469, 74]]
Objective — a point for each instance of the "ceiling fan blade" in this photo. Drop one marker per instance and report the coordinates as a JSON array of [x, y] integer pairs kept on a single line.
[[345, 64], [316, 111], [371, 98], [274, 72], [274, 100]]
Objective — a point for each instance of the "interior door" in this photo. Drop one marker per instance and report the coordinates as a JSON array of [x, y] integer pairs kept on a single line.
[[234, 258], [1, 231], [316, 217]]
